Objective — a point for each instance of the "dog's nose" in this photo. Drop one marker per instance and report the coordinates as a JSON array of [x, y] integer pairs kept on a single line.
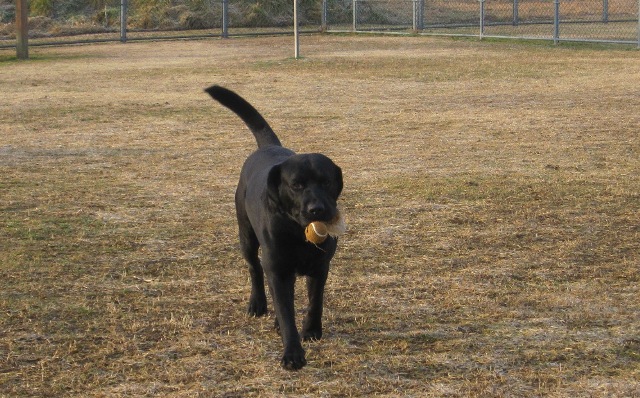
[[315, 209]]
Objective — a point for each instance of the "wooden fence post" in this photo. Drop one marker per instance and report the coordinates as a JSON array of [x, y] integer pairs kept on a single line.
[[22, 29]]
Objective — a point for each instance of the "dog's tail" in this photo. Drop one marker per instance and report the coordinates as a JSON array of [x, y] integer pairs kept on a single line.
[[252, 118]]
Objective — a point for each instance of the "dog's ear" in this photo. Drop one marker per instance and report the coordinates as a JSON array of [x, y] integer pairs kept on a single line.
[[273, 187], [338, 177]]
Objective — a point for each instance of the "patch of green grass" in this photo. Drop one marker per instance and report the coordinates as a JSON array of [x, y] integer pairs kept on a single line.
[[10, 59], [547, 43], [5, 58], [44, 230]]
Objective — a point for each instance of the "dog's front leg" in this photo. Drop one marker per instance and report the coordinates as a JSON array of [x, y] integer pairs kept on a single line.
[[282, 290], [312, 324]]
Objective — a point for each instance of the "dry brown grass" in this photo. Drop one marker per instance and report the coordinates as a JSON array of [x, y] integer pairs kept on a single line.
[[491, 192]]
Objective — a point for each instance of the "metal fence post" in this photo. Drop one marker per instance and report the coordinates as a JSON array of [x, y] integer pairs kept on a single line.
[[123, 20], [605, 11], [418, 15], [556, 21], [296, 31], [516, 17], [355, 14], [323, 16], [225, 18], [481, 18]]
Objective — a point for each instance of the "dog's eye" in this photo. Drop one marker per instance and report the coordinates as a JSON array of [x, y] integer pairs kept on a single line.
[[297, 186]]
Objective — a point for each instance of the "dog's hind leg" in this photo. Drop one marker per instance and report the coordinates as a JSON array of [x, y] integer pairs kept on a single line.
[[249, 247]]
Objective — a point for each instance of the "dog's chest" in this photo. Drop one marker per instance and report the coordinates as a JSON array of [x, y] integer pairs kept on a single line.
[[306, 259]]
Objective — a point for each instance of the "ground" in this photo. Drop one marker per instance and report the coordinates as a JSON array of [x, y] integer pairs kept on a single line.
[[491, 194]]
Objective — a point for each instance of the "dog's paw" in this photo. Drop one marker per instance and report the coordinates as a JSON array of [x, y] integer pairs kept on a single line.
[[293, 359], [257, 306], [311, 334], [311, 330]]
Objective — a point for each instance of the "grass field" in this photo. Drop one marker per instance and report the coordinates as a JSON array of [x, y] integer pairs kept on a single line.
[[491, 191]]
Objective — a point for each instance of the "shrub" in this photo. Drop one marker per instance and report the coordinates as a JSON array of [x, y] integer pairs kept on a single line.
[[43, 8], [192, 20], [108, 17], [7, 13]]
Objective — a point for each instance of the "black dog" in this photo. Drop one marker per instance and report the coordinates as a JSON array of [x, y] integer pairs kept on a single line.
[[278, 195]]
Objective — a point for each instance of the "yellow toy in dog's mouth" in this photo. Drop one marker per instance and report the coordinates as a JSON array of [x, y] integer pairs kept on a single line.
[[318, 231]]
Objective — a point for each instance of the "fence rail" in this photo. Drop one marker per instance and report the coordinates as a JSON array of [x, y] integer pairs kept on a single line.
[[615, 21]]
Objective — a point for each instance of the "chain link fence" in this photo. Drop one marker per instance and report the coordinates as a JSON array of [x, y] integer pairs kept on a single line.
[[80, 21], [74, 21], [571, 20]]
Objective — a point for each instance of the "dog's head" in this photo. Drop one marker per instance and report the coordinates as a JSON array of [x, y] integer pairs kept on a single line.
[[306, 188]]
